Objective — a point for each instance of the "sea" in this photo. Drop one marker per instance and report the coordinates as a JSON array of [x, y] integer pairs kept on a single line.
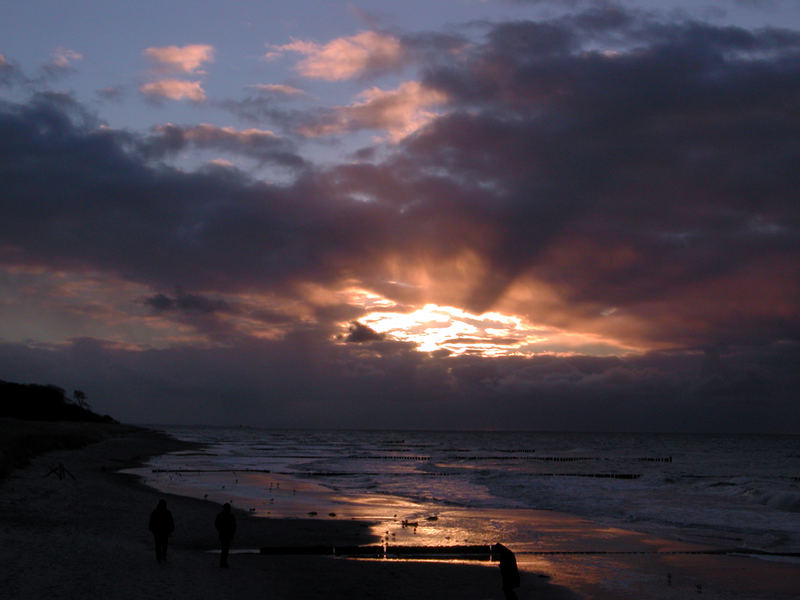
[[471, 487]]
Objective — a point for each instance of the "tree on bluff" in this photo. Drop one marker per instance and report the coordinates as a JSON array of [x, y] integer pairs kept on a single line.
[[36, 402], [80, 399]]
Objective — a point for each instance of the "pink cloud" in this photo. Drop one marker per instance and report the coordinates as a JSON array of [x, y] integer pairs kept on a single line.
[[174, 89], [399, 112], [221, 162], [275, 88], [206, 133], [63, 57], [346, 57], [185, 59]]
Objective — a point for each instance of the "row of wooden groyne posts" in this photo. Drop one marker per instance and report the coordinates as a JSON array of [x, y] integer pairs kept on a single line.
[[353, 473], [476, 552], [479, 552], [659, 459], [423, 458], [446, 474]]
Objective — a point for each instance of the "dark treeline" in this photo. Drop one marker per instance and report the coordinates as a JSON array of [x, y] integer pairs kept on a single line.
[[36, 402]]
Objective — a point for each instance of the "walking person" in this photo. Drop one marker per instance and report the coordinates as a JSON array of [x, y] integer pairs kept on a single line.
[[225, 524], [161, 526]]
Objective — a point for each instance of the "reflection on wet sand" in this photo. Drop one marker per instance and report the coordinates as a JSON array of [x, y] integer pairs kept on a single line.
[[595, 560]]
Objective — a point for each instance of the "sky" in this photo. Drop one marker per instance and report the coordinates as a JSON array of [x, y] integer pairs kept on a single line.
[[567, 215]]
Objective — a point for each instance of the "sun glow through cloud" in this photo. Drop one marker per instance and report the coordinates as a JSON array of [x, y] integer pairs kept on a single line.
[[335, 217], [435, 328]]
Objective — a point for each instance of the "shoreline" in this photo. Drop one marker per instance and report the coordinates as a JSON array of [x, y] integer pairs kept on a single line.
[[87, 537], [619, 563]]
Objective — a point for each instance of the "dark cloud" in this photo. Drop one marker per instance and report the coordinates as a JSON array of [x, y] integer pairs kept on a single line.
[[263, 145], [647, 167], [568, 3], [359, 333], [302, 381], [10, 74], [657, 178], [606, 173], [187, 303], [160, 302], [254, 108], [258, 109], [77, 194], [111, 93]]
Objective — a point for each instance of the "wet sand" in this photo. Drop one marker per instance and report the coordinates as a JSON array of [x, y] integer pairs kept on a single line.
[[619, 564], [595, 560], [87, 538]]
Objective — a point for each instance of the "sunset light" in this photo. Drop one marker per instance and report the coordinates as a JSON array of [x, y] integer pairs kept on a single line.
[[509, 211], [454, 281], [455, 331]]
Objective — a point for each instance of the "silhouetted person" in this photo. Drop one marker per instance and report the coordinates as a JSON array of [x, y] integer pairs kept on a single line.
[[162, 525], [508, 570], [226, 527]]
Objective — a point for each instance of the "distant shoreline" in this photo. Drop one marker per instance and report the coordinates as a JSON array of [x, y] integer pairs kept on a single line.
[[22, 440]]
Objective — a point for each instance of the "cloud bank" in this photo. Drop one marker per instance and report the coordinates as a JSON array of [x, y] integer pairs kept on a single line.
[[609, 175]]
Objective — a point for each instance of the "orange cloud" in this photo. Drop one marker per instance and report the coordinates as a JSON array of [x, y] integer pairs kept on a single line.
[[399, 112], [174, 89], [346, 57], [185, 59]]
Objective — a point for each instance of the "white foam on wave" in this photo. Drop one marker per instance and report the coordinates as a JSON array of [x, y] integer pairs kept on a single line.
[[740, 490]]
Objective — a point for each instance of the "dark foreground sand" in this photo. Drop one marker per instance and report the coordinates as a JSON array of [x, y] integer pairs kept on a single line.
[[87, 538]]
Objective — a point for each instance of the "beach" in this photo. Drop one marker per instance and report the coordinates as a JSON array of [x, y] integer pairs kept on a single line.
[[84, 535], [87, 537]]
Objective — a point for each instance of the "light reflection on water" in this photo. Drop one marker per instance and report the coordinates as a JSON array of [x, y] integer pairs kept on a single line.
[[531, 534], [428, 523], [273, 495]]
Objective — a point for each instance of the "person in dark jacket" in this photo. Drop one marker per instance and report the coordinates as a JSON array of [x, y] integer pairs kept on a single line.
[[508, 570], [226, 527], [161, 525]]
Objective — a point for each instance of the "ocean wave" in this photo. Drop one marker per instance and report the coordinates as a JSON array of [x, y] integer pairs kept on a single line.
[[731, 487], [785, 501]]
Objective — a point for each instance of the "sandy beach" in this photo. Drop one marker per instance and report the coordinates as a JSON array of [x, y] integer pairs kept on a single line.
[[87, 537]]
